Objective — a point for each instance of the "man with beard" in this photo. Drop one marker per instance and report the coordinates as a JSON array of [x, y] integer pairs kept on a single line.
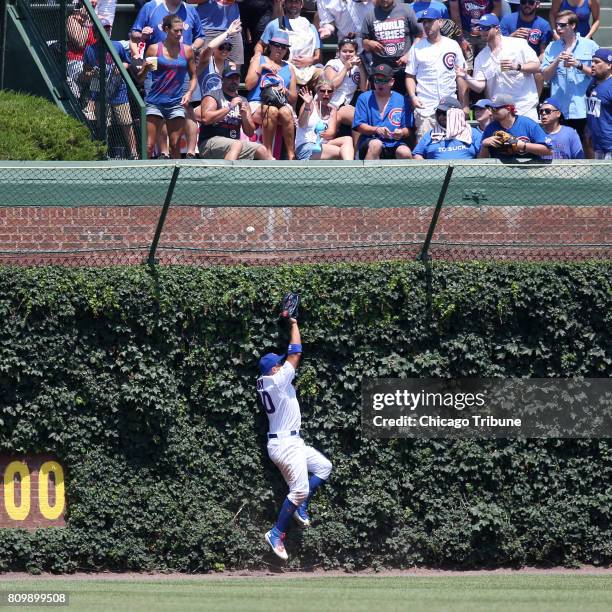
[[223, 113], [599, 104]]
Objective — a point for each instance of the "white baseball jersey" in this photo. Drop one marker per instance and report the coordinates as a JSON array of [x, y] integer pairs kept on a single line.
[[278, 398], [344, 93], [433, 66]]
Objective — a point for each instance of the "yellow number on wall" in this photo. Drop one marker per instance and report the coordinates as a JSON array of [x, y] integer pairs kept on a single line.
[[17, 513], [51, 512]]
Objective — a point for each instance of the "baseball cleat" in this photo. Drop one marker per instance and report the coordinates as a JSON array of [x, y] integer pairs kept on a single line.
[[275, 540], [300, 516]]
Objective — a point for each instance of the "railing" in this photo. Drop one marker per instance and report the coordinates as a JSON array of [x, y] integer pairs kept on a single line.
[[265, 213]]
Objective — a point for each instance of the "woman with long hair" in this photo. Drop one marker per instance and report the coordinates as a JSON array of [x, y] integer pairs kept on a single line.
[[170, 61], [273, 92], [317, 127]]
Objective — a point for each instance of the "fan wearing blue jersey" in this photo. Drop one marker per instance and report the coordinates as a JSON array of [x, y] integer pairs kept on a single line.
[[286, 448]]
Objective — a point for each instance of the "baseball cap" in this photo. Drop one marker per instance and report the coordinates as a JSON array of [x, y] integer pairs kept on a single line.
[[433, 12], [482, 103], [448, 102], [229, 71], [268, 361], [383, 69], [281, 37], [553, 102], [502, 100], [488, 21], [605, 55]]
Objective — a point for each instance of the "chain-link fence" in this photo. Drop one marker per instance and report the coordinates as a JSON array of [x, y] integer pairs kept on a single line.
[[262, 213], [73, 45]]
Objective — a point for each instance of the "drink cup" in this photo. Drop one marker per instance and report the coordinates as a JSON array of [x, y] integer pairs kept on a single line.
[[152, 61]]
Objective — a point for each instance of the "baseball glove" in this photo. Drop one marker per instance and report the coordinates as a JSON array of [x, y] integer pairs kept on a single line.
[[289, 306], [451, 29], [509, 143]]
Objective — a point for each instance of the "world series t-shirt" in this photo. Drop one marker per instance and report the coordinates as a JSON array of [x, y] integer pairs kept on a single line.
[[540, 31], [433, 65], [599, 114], [395, 30], [395, 115], [152, 14], [524, 129], [448, 149]]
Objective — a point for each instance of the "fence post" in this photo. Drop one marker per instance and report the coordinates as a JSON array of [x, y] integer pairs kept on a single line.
[[162, 216], [3, 26], [102, 101], [424, 255], [62, 37]]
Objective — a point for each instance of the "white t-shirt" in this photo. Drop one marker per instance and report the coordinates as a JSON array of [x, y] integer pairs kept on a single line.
[[433, 65], [522, 87], [344, 93], [278, 398]]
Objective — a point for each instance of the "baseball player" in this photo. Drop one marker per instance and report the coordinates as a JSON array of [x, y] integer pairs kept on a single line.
[[285, 446]]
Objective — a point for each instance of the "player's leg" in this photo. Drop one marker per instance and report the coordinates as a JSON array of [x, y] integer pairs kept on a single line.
[[289, 456], [320, 467]]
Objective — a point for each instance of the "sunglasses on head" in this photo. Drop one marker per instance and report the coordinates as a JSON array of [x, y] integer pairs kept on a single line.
[[546, 111]]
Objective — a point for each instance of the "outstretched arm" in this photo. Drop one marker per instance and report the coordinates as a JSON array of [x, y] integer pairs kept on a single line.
[[294, 351]]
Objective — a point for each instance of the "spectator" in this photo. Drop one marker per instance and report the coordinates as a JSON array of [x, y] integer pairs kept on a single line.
[[382, 119], [567, 66], [451, 137], [505, 66], [482, 113], [342, 17], [273, 91], [79, 34], [118, 111], [565, 141], [466, 13], [584, 9], [214, 58], [526, 24], [224, 113], [533, 144], [430, 73], [304, 39], [316, 113], [388, 33], [170, 61], [148, 28], [217, 17], [599, 104], [347, 74]]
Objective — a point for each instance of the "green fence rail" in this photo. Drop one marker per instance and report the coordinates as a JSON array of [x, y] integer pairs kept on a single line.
[[257, 212], [107, 101]]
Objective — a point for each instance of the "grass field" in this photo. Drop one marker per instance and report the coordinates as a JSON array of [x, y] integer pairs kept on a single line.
[[487, 593]]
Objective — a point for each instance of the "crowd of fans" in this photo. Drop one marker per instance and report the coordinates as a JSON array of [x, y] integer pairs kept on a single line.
[[459, 79]]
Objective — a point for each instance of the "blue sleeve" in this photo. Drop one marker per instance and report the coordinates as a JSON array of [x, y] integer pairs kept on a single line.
[[576, 149], [547, 33], [507, 26], [89, 56], [477, 139], [142, 19], [548, 56], [121, 52], [198, 31], [422, 145], [537, 134], [361, 111], [488, 131], [317, 38]]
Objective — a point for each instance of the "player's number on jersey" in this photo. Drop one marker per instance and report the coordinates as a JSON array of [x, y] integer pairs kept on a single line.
[[267, 402]]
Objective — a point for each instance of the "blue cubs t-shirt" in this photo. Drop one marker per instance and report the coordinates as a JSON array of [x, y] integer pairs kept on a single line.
[[539, 29], [218, 14], [417, 7], [599, 114], [523, 128], [396, 115], [448, 149], [566, 144], [115, 85], [153, 13]]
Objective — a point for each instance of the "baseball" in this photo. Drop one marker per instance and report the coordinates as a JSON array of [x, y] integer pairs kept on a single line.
[[250, 229]]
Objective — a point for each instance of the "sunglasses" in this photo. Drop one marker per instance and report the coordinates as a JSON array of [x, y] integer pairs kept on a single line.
[[547, 111], [279, 45], [494, 108], [484, 28], [225, 47], [531, 2], [562, 25], [379, 81], [326, 91]]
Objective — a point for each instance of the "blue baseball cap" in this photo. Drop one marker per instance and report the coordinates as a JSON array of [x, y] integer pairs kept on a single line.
[[488, 21], [433, 12], [553, 102], [268, 361], [605, 55], [481, 103]]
